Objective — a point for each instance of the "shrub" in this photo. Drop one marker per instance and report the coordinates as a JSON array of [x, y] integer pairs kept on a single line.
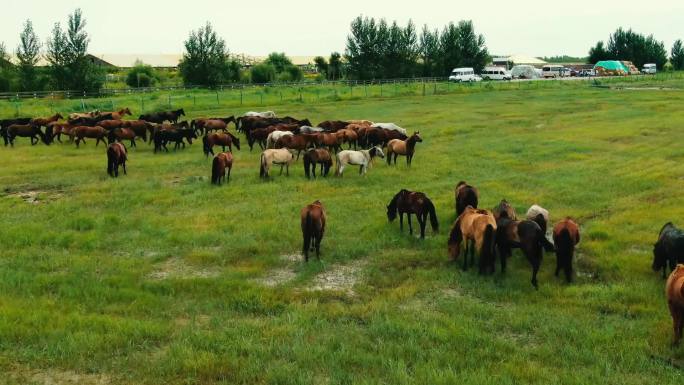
[[263, 73], [141, 75]]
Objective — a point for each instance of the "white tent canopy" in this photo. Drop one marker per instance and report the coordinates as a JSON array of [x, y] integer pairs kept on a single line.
[[520, 59]]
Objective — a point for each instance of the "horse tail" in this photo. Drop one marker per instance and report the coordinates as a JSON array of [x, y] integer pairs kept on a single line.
[[237, 123], [433, 215], [216, 171], [262, 169], [487, 252], [205, 145]]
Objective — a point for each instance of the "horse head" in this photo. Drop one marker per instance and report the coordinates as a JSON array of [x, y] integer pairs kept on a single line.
[[377, 151], [127, 111], [417, 136], [659, 256]]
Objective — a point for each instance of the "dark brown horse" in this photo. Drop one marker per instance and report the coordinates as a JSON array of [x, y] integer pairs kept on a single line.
[[406, 147], [466, 195], [26, 131], [332, 141], [5, 123], [333, 125], [380, 136], [505, 210], [258, 136], [314, 157], [223, 139], [313, 228], [163, 116], [298, 143], [116, 156], [668, 251], [566, 236], [43, 122], [119, 134], [83, 132], [525, 235], [222, 161], [413, 202], [90, 121], [175, 133]]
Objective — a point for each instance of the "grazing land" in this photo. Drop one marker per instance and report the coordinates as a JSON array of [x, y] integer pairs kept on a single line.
[[158, 277]]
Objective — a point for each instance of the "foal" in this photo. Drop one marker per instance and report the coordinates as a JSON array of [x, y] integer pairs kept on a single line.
[[410, 202], [313, 228]]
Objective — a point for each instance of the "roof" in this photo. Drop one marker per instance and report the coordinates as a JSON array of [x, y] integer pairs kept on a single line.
[[128, 60], [520, 59]]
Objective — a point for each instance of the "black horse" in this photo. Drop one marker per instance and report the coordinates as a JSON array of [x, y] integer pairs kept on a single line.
[[525, 235], [163, 116], [410, 202], [668, 251], [90, 121], [8, 122], [163, 137]]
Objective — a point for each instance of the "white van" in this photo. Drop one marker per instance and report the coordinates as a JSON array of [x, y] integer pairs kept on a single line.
[[553, 71], [649, 68], [495, 73], [466, 74]]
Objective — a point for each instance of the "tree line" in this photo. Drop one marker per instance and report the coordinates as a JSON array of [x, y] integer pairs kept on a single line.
[[639, 49]]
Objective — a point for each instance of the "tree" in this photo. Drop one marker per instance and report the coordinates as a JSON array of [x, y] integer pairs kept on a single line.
[[28, 54], [335, 66], [598, 53], [321, 65], [263, 73], [429, 51], [285, 71], [6, 70], [57, 56], [631, 46], [279, 61], [677, 55], [141, 75], [205, 61]]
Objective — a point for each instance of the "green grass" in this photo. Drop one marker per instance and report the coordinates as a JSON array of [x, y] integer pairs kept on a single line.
[[155, 277]]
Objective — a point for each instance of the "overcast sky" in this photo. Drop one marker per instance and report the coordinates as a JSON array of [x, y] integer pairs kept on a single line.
[[538, 28]]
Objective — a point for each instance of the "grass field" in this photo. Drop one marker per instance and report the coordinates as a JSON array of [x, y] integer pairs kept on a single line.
[[158, 277]]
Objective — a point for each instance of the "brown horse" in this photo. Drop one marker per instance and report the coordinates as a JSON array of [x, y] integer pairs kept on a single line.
[[224, 139], [83, 132], [478, 229], [60, 128], [466, 195], [674, 292], [332, 141], [413, 202], [111, 124], [505, 210], [116, 156], [140, 127], [403, 147], [222, 161], [526, 235], [314, 157], [380, 136], [566, 236], [43, 122], [349, 136], [204, 125], [118, 115], [313, 228], [297, 142], [333, 125], [26, 131], [259, 136], [119, 134]]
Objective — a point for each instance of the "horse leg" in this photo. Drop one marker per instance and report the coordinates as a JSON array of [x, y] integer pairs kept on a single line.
[[465, 255], [133, 143], [281, 169], [401, 221], [305, 248], [287, 169], [422, 219], [124, 167], [410, 224]]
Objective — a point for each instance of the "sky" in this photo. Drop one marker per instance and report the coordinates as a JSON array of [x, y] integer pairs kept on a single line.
[[309, 28]]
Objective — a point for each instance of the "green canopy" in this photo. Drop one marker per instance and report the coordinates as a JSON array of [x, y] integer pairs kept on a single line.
[[612, 65]]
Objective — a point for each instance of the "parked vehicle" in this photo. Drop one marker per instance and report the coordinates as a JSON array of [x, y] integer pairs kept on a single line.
[[466, 74], [554, 71], [586, 73], [649, 68], [495, 73]]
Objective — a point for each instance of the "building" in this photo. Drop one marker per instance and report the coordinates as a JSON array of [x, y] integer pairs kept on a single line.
[[509, 61]]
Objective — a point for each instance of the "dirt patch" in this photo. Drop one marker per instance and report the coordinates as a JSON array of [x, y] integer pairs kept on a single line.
[[339, 278], [35, 197], [177, 268], [277, 277], [22, 375]]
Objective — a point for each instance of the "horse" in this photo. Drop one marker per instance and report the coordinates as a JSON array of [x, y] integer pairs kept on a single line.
[[349, 136], [162, 116], [538, 214], [140, 127], [111, 124], [314, 157], [222, 161], [116, 156], [403, 147], [282, 156], [297, 142], [413, 202], [26, 131], [505, 210], [163, 135], [390, 127], [313, 228], [478, 229], [566, 236], [360, 122], [118, 115], [221, 139], [526, 235], [5, 123], [78, 115], [361, 158], [58, 129], [264, 114], [90, 121], [119, 134], [465, 195], [310, 130], [669, 249], [274, 136], [204, 125], [674, 292], [380, 136], [333, 125], [82, 132], [332, 141], [259, 136], [43, 122]]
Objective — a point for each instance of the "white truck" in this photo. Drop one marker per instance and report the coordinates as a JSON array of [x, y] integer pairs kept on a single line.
[[650, 69], [465, 74]]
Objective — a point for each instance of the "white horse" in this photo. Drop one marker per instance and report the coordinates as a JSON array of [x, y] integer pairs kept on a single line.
[[264, 114], [282, 156], [390, 126], [274, 136], [534, 212], [310, 130], [361, 158]]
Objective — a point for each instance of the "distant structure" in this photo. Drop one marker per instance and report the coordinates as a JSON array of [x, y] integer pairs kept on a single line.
[[509, 61]]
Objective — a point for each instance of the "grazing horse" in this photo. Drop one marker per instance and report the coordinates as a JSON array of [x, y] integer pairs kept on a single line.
[[674, 292], [274, 136], [413, 202], [669, 249], [43, 122], [297, 143], [313, 228], [221, 139], [164, 135], [538, 214], [465, 195], [566, 236], [314, 157], [526, 235], [222, 161], [478, 229], [333, 125], [332, 141], [505, 210], [163, 116], [361, 158], [83, 132], [116, 156], [26, 131], [282, 156], [119, 134], [403, 147], [349, 136]]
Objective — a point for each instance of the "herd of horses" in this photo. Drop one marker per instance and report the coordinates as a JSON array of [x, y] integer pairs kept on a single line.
[[487, 234]]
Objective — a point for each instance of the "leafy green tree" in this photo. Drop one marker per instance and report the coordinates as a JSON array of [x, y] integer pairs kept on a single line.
[[429, 52], [6, 69], [141, 75], [631, 46], [598, 53], [263, 73], [28, 54], [285, 71], [321, 65], [279, 61], [677, 56], [205, 61], [335, 66]]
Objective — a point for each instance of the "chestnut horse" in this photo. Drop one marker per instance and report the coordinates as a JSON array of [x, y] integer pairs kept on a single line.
[[465, 195], [674, 292], [118, 115], [111, 124], [297, 143], [332, 141], [222, 161], [526, 235], [83, 132], [43, 122], [413, 202], [349, 136], [60, 128], [116, 156], [478, 229], [566, 236], [314, 157], [119, 134], [313, 228], [223, 139], [406, 147]]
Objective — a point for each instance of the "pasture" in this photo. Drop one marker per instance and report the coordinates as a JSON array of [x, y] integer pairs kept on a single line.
[[159, 277]]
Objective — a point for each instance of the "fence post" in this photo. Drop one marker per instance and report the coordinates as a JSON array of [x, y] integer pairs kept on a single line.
[[434, 91], [169, 100], [423, 81], [241, 94], [300, 95], [380, 88], [142, 104], [217, 98], [261, 96]]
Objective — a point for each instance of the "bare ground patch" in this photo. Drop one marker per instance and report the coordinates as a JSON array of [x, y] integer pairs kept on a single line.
[[177, 268], [35, 197], [282, 275], [339, 278], [24, 375]]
